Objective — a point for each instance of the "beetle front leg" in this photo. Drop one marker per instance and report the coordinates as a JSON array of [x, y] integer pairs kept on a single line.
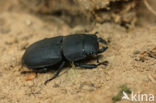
[[90, 66], [44, 70]]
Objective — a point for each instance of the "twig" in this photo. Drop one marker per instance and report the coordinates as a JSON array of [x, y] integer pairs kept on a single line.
[[149, 7]]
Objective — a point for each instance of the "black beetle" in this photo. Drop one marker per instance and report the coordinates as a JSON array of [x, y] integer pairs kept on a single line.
[[42, 55]]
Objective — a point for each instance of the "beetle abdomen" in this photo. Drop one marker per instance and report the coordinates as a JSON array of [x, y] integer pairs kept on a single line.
[[43, 53]]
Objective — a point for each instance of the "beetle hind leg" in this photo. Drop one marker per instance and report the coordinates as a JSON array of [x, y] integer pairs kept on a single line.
[[44, 70], [56, 74]]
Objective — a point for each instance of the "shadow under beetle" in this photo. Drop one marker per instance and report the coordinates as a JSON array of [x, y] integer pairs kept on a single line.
[[42, 55]]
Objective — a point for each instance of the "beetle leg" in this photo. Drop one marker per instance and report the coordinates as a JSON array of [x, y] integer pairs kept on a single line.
[[103, 63], [90, 66], [44, 70], [56, 74], [102, 49], [102, 40]]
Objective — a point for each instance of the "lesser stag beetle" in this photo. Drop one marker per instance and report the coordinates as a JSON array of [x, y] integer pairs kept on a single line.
[[42, 55]]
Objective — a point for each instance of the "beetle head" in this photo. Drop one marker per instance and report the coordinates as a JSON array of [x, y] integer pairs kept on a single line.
[[91, 45]]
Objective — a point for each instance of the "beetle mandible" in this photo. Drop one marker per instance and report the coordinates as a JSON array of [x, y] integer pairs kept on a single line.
[[43, 54]]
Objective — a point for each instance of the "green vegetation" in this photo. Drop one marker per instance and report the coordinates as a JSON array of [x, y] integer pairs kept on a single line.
[[120, 94]]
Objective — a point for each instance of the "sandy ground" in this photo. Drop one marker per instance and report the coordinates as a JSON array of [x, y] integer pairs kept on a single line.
[[128, 54]]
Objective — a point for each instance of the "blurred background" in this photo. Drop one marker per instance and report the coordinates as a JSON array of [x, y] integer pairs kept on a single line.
[[86, 12]]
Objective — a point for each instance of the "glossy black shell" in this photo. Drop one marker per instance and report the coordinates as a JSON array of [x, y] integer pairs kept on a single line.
[[50, 51], [43, 53]]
